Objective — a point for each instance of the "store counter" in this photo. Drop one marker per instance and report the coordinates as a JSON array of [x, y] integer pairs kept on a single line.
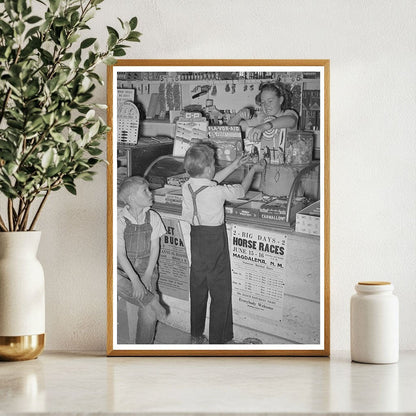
[[276, 279]]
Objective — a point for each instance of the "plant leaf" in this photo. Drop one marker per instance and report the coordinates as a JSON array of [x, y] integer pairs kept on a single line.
[[20, 27], [112, 31], [70, 188], [110, 60], [119, 51], [133, 23], [20, 176], [87, 42], [54, 4], [61, 21], [47, 158], [112, 41], [33, 19], [60, 138], [94, 129]]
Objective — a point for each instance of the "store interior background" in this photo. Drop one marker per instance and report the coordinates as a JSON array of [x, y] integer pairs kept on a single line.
[[372, 147]]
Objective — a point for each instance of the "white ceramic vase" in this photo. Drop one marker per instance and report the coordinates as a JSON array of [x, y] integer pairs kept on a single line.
[[22, 296]]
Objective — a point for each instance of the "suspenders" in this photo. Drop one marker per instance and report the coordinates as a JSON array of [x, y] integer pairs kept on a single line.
[[194, 194]]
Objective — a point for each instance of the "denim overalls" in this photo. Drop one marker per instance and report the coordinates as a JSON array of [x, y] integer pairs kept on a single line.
[[137, 238]]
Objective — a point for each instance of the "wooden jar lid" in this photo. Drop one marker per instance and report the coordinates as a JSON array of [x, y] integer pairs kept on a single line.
[[374, 283]]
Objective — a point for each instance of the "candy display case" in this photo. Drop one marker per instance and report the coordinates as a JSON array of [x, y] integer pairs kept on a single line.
[[271, 209]]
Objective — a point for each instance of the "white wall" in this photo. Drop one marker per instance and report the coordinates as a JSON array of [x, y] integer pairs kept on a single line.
[[371, 45]]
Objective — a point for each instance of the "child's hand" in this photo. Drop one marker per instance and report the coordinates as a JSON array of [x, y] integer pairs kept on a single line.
[[147, 281], [138, 289], [241, 160], [259, 167], [244, 114]]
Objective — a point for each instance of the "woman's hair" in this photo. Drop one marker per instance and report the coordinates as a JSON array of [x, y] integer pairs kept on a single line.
[[280, 89], [128, 186], [198, 157]]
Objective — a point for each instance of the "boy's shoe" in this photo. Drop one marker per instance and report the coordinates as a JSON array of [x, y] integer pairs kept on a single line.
[[250, 340], [202, 339]]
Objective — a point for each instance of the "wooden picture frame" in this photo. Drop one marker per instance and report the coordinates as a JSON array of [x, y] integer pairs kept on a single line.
[[286, 306]]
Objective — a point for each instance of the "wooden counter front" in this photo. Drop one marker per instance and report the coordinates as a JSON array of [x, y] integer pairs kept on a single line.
[[301, 315]]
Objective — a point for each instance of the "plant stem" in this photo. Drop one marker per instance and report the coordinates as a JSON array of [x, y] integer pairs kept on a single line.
[[26, 216], [2, 225], [37, 144], [21, 214], [39, 209], [3, 108], [52, 186], [10, 213]]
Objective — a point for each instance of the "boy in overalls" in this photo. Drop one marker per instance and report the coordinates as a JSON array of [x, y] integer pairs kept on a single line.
[[203, 207], [138, 243]]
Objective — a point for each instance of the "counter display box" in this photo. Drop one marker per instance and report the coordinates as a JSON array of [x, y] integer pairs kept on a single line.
[[249, 209], [174, 197], [227, 140], [189, 129], [177, 180], [160, 194], [308, 220], [274, 210]]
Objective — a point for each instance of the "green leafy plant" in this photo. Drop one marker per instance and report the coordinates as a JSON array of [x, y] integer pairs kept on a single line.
[[50, 134]]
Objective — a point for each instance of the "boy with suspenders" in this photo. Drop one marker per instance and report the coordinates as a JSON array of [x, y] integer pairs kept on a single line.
[[203, 207]]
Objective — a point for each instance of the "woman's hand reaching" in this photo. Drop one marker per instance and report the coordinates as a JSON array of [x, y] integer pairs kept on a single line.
[[255, 133]]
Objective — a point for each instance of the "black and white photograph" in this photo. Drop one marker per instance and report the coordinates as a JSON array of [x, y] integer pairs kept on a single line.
[[218, 217]]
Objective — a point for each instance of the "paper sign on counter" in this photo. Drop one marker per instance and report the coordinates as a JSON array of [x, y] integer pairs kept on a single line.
[[258, 263]]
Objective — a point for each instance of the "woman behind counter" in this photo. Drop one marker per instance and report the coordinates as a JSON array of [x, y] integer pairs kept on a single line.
[[275, 114]]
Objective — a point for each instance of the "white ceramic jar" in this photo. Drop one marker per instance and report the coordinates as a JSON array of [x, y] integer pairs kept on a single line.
[[374, 323]]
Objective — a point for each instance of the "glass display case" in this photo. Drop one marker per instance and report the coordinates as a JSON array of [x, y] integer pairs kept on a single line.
[[273, 200]]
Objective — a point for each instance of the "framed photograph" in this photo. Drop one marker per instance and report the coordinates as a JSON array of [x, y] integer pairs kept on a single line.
[[218, 208]]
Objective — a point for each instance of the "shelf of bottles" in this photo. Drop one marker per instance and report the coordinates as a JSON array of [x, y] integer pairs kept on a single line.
[[285, 77]]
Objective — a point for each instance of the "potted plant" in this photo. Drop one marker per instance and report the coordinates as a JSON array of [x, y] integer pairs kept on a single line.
[[50, 136]]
